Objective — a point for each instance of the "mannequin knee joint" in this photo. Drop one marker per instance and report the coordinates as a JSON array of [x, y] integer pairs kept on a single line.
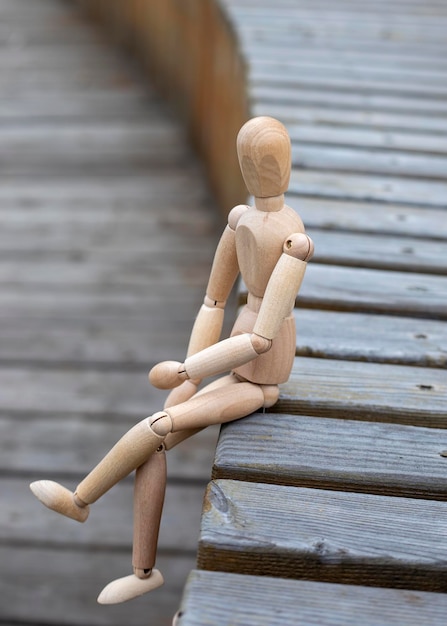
[[161, 423], [271, 395]]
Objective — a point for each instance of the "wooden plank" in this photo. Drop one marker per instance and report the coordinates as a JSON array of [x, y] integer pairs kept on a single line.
[[373, 60], [347, 159], [366, 391], [339, 454], [388, 49], [217, 598], [126, 272], [321, 30], [62, 586], [325, 135], [376, 251], [371, 217], [364, 337], [329, 536], [349, 73], [372, 291], [105, 104], [364, 187], [29, 199], [65, 445], [91, 303], [85, 147], [368, 290], [271, 75], [341, 100], [126, 342], [295, 113]]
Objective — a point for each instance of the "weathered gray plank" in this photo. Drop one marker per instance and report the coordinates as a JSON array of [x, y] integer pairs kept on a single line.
[[340, 454], [419, 143], [53, 586], [372, 291], [220, 599], [125, 342], [289, 70], [330, 536], [382, 252], [99, 269], [116, 198], [105, 104], [371, 217], [377, 161], [366, 391], [340, 100], [282, 26], [345, 288], [67, 445], [343, 57], [368, 117], [130, 146], [92, 304], [364, 187], [364, 337]]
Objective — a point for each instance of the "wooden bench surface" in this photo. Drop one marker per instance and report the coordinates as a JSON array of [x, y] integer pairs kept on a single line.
[[343, 482]]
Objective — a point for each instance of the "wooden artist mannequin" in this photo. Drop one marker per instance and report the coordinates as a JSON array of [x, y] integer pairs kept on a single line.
[[266, 244]]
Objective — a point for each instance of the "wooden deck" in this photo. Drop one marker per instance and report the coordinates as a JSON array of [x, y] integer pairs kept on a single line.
[[107, 233], [342, 489]]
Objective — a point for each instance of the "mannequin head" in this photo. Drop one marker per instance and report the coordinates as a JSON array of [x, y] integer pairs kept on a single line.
[[264, 151]]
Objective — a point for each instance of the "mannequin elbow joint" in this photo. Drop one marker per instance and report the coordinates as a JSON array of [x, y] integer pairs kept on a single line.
[[260, 344]]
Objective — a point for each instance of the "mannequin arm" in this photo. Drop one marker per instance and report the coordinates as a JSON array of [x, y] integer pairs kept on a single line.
[[209, 321], [277, 305]]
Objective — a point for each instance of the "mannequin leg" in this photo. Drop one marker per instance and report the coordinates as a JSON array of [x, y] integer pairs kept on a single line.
[[149, 493], [131, 451], [214, 405]]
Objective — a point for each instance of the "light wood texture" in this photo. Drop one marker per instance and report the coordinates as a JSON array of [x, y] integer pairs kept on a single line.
[[259, 141], [130, 587], [149, 494], [330, 536], [255, 600]]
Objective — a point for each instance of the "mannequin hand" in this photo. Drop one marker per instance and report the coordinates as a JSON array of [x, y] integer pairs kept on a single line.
[[167, 375]]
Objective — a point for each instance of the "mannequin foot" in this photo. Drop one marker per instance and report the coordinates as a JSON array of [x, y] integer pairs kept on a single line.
[[59, 499], [129, 587]]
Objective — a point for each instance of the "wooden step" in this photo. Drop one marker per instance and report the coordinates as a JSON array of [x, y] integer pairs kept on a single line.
[[339, 454], [328, 536], [216, 598]]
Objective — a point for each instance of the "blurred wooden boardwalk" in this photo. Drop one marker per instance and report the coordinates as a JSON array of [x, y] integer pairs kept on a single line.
[[106, 238]]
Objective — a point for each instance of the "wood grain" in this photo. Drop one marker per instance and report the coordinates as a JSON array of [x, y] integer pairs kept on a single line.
[[367, 337], [340, 454], [372, 291], [328, 536], [366, 391], [371, 217], [214, 598]]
